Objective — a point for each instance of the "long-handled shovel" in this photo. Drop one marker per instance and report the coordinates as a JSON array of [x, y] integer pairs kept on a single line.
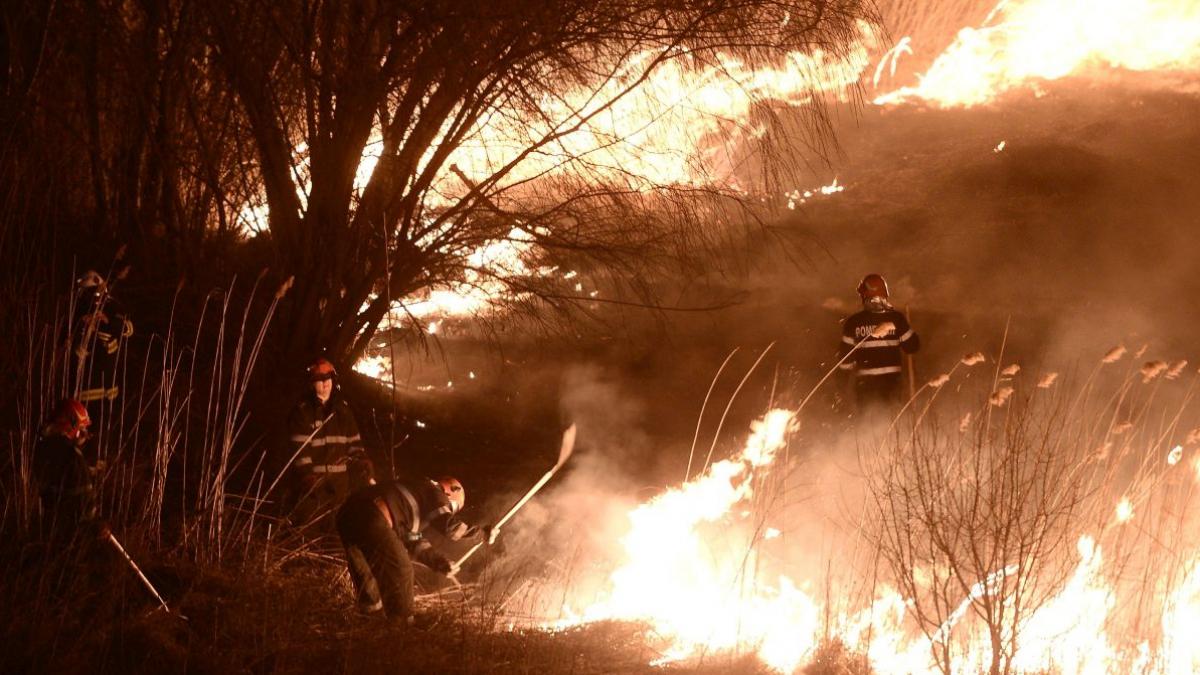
[[564, 452], [137, 570]]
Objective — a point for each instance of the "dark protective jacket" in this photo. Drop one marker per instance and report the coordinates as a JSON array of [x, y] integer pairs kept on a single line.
[[66, 485], [335, 445], [329, 466], [99, 333], [383, 529], [412, 508], [877, 356]]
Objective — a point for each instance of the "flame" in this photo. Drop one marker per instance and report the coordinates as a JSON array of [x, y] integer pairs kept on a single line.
[[683, 122], [674, 128], [1050, 39], [689, 568], [796, 197], [1067, 633], [1124, 510], [378, 367], [1180, 623]]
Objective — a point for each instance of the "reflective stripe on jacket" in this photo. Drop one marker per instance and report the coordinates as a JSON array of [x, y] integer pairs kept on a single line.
[[335, 442], [876, 355], [414, 506]]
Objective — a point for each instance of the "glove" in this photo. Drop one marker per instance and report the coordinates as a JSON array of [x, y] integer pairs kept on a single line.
[[491, 533], [457, 531]]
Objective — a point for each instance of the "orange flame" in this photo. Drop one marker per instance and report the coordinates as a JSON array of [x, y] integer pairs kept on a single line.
[[704, 596], [1050, 39]]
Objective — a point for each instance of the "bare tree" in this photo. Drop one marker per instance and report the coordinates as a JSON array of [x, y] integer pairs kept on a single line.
[[415, 84], [975, 521]]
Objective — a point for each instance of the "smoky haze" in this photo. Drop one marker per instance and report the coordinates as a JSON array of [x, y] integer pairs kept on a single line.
[[1074, 236]]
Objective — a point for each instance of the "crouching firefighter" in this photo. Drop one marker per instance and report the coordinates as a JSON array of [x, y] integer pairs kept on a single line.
[[382, 528], [65, 478]]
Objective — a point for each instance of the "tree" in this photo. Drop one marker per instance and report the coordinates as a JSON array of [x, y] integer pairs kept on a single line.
[[975, 521], [505, 90]]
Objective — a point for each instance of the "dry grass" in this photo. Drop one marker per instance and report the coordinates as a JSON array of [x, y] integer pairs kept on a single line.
[[1032, 467]]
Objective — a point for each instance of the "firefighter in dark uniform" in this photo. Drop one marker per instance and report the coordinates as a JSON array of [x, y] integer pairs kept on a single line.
[[65, 478], [875, 353], [382, 529], [323, 437], [100, 329]]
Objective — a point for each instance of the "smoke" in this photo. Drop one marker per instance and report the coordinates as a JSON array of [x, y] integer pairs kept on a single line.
[[1072, 237], [606, 413], [1053, 250], [566, 540]]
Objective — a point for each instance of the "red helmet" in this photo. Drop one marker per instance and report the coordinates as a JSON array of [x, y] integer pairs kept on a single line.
[[71, 418], [454, 490], [321, 369], [872, 286]]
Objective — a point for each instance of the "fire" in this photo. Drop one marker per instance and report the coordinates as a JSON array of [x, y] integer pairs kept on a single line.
[[798, 197], [1180, 623], [1124, 510], [688, 566], [1050, 39], [1067, 634], [700, 566], [378, 367], [677, 127]]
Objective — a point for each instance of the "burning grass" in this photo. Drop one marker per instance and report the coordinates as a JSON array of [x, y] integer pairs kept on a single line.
[[1003, 521], [997, 543], [984, 532]]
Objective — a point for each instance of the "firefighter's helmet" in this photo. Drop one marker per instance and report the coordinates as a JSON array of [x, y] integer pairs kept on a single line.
[[71, 418], [90, 279], [872, 286], [321, 369], [454, 491]]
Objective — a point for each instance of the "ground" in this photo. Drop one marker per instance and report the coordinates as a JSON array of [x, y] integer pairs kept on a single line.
[[300, 619]]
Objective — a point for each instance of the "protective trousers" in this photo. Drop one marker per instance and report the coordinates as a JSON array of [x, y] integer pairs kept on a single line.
[[379, 563], [875, 392]]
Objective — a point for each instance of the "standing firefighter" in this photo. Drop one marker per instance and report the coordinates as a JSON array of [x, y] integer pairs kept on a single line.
[[329, 457], [100, 328], [382, 530], [879, 336], [64, 476]]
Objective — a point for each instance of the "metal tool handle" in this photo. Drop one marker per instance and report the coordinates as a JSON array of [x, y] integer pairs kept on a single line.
[[564, 452]]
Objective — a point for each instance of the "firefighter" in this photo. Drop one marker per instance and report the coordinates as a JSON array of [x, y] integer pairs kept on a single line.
[[875, 354], [66, 480], [382, 529], [100, 328], [332, 463]]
